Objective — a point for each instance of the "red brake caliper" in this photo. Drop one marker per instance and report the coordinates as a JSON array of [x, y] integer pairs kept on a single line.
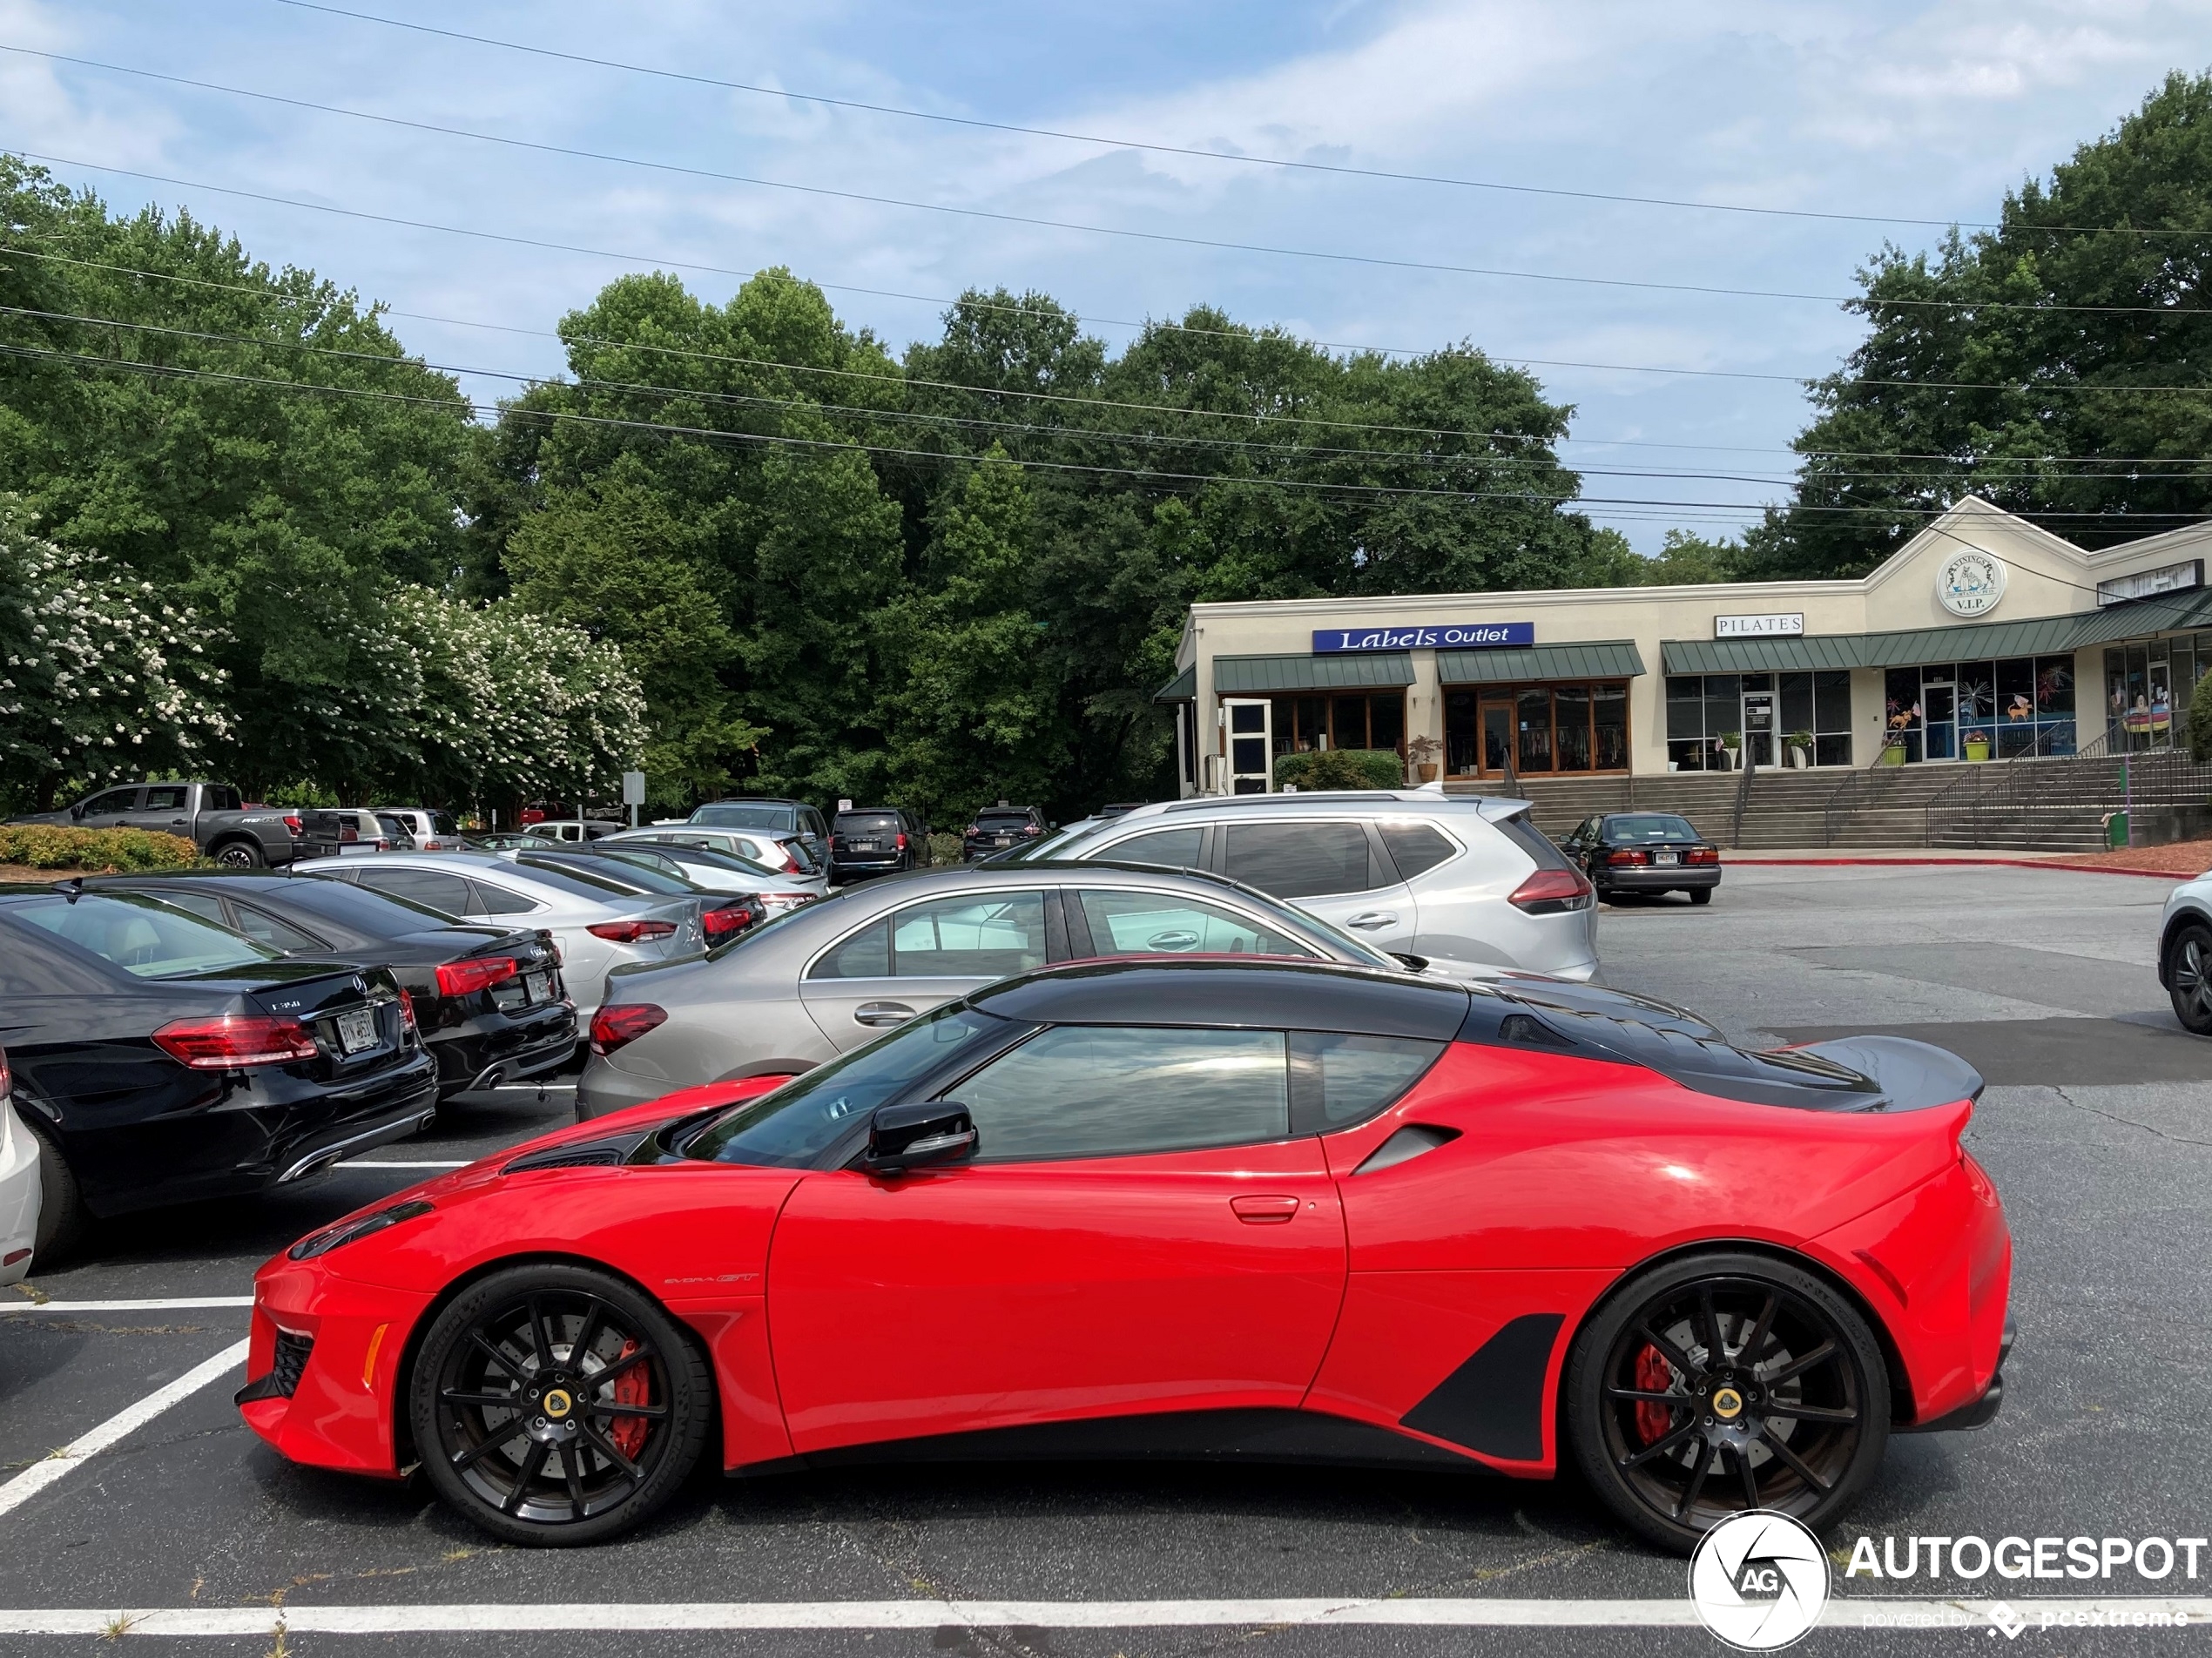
[[633, 1387], [1654, 1375]]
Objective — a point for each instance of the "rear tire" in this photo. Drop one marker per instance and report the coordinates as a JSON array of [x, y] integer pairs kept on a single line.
[[1718, 1382], [2188, 976], [1701, 894], [612, 1402], [239, 854], [63, 1219]]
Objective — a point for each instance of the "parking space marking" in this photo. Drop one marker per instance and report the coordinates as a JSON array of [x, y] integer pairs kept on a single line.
[[164, 1304], [477, 1618], [393, 1163], [39, 1475]]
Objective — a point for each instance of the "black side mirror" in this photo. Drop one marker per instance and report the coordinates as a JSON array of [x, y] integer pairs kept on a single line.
[[916, 1136]]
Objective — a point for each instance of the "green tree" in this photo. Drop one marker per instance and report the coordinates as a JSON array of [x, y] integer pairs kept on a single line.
[[2012, 363]]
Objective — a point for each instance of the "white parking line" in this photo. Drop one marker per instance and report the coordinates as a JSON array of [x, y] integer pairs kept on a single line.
[[393, 1163], [39, 1475], [165, 1305], [478, 1618]]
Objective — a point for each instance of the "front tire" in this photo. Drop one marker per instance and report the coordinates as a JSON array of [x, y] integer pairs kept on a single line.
[[2188, 976], [1725, 1382], [556, 1406]]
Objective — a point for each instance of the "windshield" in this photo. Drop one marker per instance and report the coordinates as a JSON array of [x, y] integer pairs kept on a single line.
[[1646, 830], [636, 877], [143, 936], [793, 1126], [576, 883], [380, 914], [734, 815]]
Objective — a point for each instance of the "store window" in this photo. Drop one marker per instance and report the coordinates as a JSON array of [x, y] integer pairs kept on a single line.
[[2008, 709], [1709, 716], [2147, 686], [1547, 728], [1315, 720]]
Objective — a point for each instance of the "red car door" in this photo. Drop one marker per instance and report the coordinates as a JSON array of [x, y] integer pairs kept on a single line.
[[1139, 1232]]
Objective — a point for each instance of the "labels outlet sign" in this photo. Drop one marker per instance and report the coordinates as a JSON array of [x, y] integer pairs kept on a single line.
[[1426, 636]]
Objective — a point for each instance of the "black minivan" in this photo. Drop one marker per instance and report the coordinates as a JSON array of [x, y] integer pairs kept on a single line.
[[876, 840]]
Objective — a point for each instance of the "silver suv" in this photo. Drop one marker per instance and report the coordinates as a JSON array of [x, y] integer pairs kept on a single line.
[[1468, 883]]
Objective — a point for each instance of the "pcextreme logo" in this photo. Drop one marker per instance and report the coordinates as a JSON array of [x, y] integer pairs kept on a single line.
[[1759, 1581]]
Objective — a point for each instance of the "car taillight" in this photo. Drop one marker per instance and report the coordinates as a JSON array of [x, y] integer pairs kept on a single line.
[[235, 1040], [383, 845], [1628, 855], [1701, 855], [790, 858], [631, 932], [346, 832], [902, 843], [293, 826], [1551, 891], [465, 978], [1032, 830], [728, 921], [973, 829], [407, 1009], [611, 1027], [7, 1078]]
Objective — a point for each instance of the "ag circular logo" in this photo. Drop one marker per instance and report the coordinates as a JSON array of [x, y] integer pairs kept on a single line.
[[1970, 582], [1759, 1579]]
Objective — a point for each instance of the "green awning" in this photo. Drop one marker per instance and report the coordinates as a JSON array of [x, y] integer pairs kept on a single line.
[[1917, 647], [1338, 671], [1181, 689], [1600, 659]]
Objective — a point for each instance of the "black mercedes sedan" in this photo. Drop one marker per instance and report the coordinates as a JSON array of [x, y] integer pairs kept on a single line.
[[162, 1059], [1647, 852], [488, 997]]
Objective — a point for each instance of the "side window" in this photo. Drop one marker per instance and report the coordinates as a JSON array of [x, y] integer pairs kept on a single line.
[[1338, 1080], [206, 906], [485, 899], [1416, 848], [867, 954], [220, 796], [1167, 848], [1166, 924], [263, 928], [969, 938], [432, 886], [1297, 860], [168, 797], [1085, 1091], [113, 800]]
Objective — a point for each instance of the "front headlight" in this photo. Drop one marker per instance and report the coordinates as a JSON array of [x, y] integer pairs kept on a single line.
[[323, 1242]]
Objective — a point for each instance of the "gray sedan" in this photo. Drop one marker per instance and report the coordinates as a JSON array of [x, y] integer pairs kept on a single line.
[[806, 987]]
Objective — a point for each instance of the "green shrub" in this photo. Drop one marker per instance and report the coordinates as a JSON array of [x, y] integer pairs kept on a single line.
[[47, 845], [1341, 768], [2200, 721]]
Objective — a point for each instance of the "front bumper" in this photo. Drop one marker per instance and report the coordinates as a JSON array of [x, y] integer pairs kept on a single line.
[[331, 1403]]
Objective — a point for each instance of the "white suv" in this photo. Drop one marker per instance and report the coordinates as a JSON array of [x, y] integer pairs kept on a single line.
[[1469, 884]]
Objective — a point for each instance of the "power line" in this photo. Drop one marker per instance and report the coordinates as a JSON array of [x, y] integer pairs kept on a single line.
[[1281, 162], [1169, 238], [457, 403], [1065, 434]]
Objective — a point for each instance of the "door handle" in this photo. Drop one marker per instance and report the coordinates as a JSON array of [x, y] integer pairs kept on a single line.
[[1372, 919], [1264, 1211], [882, 1013], [1179, 939]]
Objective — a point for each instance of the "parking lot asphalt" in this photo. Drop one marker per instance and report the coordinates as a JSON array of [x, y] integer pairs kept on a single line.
[[2097, 1127]]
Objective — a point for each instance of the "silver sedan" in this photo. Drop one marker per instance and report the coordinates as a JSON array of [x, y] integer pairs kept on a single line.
[[804, 989], [598, 926]]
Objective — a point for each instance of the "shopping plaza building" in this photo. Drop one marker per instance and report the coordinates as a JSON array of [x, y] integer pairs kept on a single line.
[[1984, 637]]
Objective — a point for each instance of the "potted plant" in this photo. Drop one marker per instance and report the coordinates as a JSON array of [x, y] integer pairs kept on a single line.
[[1800, 749], [1422, 751], [1892, 750], [1977, 745], [1731, 748]]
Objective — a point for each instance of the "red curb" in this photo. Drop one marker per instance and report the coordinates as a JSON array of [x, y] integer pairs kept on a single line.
[[1978, 863]]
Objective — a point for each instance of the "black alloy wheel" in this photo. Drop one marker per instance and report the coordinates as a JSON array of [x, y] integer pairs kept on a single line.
[[2188, 962], [555, 1405], [239, 854], [1721, 1383]]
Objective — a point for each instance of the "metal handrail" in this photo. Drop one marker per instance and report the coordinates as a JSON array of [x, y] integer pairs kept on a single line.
[[1844, 798], [1744, 790]]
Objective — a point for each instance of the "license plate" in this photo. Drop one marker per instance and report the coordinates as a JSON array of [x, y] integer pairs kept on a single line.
[[1667, 858], [1002, 840], [357, 1030], [864, 846], [537, 987]]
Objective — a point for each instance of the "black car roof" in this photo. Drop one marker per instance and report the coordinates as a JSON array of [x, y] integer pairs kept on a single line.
[[1277, 996]]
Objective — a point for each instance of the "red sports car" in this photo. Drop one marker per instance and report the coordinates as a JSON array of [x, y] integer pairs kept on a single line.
[[1240, 1210]]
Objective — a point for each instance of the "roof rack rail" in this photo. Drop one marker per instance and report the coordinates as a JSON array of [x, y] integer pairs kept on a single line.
[[1213, 802]]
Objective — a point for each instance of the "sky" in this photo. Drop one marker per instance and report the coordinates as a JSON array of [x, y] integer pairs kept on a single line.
[[1866, 123]]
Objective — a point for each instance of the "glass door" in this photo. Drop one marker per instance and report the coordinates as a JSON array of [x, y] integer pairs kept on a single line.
[[1939, 711], [1497, 736], [1758, 728], [1251, 747]]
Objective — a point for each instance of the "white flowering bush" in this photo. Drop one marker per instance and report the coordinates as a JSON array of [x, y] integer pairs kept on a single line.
[[100, 676]]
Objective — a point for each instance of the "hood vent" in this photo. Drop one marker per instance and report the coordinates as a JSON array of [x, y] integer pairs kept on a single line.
[[611, 1153]]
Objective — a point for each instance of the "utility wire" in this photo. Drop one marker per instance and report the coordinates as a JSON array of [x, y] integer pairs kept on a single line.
[[1143, 475], [1169, 238], [1069, 433], [1282, 162]]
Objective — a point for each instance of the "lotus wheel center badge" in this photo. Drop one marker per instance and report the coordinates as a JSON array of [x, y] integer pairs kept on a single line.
[[558, 1404], [1728, 1404]]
